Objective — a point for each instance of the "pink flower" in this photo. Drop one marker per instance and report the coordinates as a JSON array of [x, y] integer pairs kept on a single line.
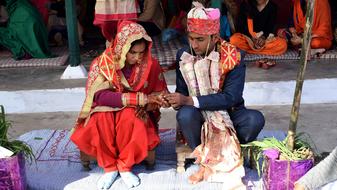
[[271, 153]]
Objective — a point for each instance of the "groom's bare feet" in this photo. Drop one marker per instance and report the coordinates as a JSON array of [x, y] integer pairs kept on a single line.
[[198, 176]]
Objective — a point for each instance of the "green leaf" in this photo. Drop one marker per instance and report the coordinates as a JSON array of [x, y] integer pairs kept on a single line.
[[15, 146]]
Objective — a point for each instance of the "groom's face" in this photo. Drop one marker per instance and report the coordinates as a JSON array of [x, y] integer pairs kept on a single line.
[[199, 42]]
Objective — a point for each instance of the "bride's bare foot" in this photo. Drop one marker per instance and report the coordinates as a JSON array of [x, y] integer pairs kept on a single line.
[[130, 179], [198, 176]]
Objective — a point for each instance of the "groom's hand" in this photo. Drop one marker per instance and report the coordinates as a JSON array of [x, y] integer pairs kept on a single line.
[[164, 102], [177, 100]]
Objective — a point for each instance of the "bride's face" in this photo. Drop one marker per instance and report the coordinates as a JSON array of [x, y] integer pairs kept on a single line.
[[136, 53]]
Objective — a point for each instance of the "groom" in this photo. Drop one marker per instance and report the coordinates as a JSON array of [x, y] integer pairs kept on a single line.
[[203, 35]]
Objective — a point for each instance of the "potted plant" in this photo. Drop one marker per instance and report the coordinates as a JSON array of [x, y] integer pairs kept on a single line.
[[12, 158], [286, 161], [281, 167]]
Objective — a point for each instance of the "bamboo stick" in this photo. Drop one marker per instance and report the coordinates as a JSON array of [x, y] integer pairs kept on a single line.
[[300, 76]]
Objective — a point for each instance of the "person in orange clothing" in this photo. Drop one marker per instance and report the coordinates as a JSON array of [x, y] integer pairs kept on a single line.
[[321, 28], [256, 24], [119, 118]]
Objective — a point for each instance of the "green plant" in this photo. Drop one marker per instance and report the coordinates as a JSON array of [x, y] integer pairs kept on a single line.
[[302, 149], [15, 146]]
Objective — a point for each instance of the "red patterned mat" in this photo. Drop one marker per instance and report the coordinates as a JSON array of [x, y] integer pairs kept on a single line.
[[61, 58]]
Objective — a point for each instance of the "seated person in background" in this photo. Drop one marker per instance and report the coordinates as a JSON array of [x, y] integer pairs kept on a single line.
[[176, 29], [173, 8], [228, 9], [26, 34], [119, 118], [3, 13], [109, 12], [323, 173], [57, 26], [321, 28], [333, 6], [176, 16], [256, 24], [152, 16]]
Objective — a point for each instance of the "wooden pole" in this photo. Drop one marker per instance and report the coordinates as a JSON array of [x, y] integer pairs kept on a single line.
[[300, 76]]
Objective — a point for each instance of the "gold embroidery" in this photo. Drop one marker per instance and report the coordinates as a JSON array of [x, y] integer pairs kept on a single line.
[[93, 73], [125, 97], [230, 57], [97, 85]]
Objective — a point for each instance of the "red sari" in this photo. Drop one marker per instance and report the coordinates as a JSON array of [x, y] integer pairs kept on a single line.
[[115, 136]]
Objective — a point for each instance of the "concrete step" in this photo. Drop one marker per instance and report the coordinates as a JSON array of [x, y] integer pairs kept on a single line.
[[255, 94], [33, 78]]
